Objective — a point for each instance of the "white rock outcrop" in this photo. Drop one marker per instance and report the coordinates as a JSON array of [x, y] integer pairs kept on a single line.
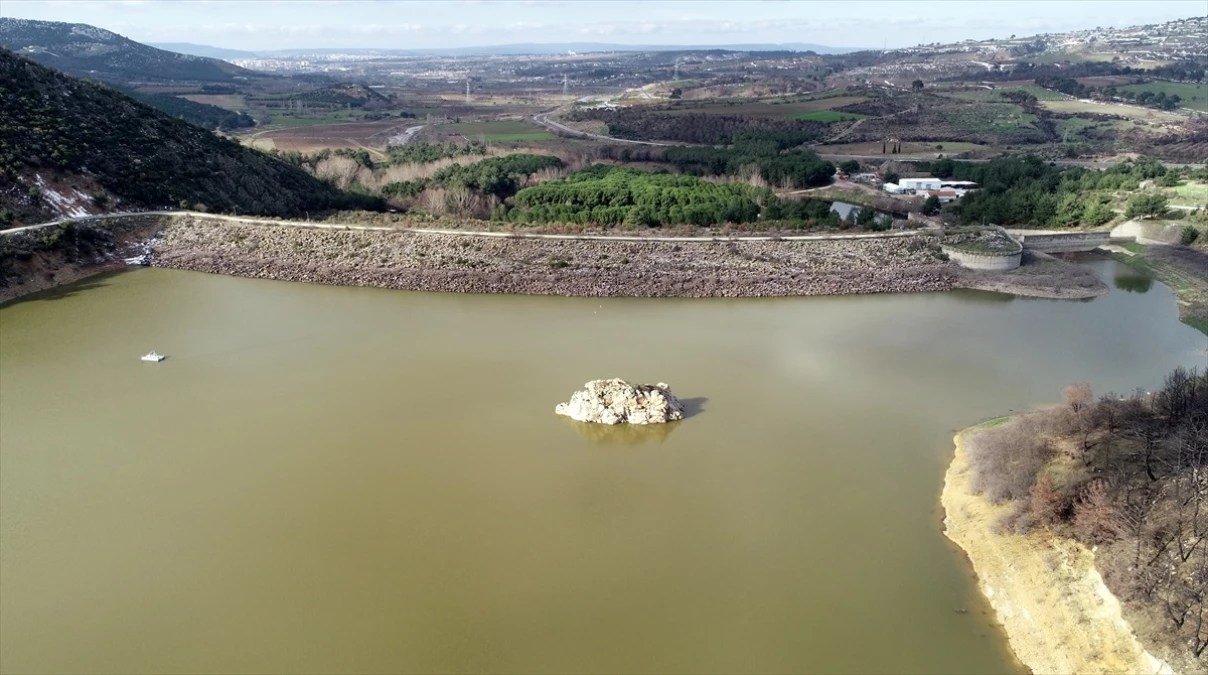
[[616, 401]]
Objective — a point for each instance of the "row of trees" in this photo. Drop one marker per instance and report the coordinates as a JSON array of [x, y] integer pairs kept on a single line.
[[1160, 100], [424, 152], [1125, 475], [761, 152], [1068, 85], [609, 196], [614, 196], [695, 128]]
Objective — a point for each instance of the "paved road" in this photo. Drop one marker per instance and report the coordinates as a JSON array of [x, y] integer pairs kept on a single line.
[[464, 233], [544, 120]]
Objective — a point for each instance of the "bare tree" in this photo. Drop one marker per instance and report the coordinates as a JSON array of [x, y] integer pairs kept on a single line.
[[1077, 396]]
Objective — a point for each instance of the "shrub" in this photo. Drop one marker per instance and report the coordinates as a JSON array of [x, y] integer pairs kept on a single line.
[[1146, 205], [1006, 459], [1188, 236]]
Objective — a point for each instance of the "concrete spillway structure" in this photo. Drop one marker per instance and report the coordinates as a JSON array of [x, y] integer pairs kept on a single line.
[[1061, 242], [991, 250], [990, 262]]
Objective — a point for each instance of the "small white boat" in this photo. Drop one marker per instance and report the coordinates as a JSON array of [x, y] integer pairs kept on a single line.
[[153, 357]]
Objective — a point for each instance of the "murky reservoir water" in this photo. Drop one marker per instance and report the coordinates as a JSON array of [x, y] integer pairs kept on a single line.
[[327, 479]]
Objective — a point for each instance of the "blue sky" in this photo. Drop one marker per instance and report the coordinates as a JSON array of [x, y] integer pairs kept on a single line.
[[280, 24]]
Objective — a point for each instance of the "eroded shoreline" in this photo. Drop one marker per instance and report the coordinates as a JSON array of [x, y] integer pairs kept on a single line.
[[1058, 614]]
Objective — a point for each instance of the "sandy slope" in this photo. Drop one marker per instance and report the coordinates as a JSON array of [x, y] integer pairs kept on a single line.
[[1058, 614]]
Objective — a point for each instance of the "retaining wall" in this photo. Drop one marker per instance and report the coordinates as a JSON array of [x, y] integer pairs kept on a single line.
[[979, 261], [1064, 242]]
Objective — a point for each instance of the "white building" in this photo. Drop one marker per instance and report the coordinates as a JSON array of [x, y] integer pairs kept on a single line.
[[919, 184], [892, 188]]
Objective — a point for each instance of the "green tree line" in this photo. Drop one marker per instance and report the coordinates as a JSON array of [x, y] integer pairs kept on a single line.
[[612, 196], [1026, 191]]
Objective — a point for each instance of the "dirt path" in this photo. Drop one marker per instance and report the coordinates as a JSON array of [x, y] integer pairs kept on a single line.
[[843, 133], [468, 233]]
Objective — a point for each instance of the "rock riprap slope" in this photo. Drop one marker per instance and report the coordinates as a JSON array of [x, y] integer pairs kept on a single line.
[[616, 401]]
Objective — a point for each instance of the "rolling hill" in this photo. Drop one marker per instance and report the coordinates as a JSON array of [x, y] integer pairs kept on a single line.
[[95, 53], [63, 137], [204, 50]]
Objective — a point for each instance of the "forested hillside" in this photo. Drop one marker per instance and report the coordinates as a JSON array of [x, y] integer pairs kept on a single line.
[[95, 53], [53, 124], [206, 116]]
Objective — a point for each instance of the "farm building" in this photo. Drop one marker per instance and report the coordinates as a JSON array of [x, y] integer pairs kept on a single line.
[[892, 188], [919, 184]]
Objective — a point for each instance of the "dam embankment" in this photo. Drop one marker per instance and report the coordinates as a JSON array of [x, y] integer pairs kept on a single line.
[[643, 265]]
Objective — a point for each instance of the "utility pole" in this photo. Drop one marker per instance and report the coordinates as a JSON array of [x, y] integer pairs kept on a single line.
[[565, 85], [676, 70], [467, 90]]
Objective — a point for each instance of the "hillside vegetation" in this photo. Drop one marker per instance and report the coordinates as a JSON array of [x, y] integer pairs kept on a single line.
[[1125, 475], [87, 51], [204, 115], [54, 124]]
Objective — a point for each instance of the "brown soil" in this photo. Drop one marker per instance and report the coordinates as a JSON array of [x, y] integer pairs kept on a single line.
[[1040, 276]]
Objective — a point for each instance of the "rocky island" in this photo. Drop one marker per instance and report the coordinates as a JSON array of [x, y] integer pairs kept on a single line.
[[616, 401]]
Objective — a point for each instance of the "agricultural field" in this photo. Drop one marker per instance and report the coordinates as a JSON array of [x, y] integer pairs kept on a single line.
[[1189, 194], [1130, 111], [995, 95], [233, 102], [767, 108], [312, 138], [1195, 96], [909, 150], [1186, 150], [502, 131], [981, 123], [291, 120], [827, 116]]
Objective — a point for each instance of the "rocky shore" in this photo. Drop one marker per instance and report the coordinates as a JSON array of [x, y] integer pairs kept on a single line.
[[39, 260], [469, 264], [1058, 614]]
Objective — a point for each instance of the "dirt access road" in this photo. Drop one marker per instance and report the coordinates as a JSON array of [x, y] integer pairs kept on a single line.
[[559, 128], [465, 233]]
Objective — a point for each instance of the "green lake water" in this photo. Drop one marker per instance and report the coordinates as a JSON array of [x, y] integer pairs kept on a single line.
[[324, 479]]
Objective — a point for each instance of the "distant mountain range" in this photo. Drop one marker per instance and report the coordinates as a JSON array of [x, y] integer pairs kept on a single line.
[[98, 54], [496, 50]]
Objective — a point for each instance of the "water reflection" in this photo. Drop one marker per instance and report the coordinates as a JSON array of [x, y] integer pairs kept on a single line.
[[624, 434], [980, 297], [1133, 283]]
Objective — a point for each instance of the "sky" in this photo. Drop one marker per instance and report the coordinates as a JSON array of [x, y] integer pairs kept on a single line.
[[293, 24]]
